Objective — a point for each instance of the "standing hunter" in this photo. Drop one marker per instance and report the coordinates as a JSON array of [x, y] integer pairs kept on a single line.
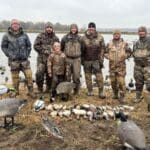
[[93, 47], [17, 47], [71, 45], [117, 51], [141, 54], [43, 45]]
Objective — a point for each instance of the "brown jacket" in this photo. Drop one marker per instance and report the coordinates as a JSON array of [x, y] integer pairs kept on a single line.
[[56, 64]]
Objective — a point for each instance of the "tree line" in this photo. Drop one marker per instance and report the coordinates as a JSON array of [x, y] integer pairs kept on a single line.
[[30, 26], [34, 27]]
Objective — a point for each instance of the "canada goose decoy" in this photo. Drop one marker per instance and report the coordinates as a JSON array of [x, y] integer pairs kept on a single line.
[[51, 127], [9, 108], [2, 70], [4, 89], [130, 134], [6, 79], [131, 86], [39, 104], [65, 89]]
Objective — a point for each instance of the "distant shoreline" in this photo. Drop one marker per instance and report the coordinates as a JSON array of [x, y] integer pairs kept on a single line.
[[64, 32]]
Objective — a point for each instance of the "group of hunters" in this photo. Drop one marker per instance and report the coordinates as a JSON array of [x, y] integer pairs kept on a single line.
[[59, 61]]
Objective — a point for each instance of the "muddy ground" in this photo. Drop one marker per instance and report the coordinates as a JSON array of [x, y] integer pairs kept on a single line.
[[78, 134]]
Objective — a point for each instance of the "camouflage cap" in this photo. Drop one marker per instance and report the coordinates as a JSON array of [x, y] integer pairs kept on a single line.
[[116, 31], [142, 29], [48, 24]]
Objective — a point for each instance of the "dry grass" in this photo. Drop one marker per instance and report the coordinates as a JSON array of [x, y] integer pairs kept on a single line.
[[78, 134]]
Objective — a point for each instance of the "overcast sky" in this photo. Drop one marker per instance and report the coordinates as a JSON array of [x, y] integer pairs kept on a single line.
[[105, 13]]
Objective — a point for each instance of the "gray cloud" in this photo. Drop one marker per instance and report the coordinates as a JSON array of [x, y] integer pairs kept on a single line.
[[106, 13]]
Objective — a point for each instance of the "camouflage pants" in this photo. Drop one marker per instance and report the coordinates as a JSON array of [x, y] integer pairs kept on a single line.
[[74, 68], [93, 67], [55, 81], [40, 74], [117, 82], [142, 75], [16, 67]]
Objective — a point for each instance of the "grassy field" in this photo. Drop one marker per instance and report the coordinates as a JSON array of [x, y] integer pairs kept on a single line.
[[78, 134]]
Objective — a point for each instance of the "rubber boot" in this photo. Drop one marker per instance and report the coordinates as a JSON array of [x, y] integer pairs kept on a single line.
[[52, 96], [115, 95], [138, 97], [31, 92], [101, 93], [76, 90], [122, 98], [90, 93]]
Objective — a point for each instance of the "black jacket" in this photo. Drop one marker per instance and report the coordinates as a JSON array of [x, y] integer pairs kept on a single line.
[[16, 46]]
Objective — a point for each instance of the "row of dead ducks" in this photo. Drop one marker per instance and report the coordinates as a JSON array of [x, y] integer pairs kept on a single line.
[[87, 111]]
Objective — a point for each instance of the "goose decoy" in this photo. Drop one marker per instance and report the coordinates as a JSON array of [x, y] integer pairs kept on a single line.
[[65, 89], [6, 79], [130, 134], [131, 86], [39, 104], [9, 108], [51, 127], [2, 70], [4, 89]]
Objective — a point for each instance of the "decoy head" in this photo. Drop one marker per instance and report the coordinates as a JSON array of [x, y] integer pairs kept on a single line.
[[120, 115]]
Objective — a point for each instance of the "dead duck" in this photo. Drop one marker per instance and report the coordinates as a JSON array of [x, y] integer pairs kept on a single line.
[[130, 134], [4, 89], [79, 112], [39, 104], [9, 108], [51, 127]]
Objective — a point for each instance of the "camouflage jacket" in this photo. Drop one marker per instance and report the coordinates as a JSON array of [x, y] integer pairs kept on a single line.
[[43, 44], [117, 52], [93, 47], [16, 46], [141, 52], [71, 45], [56, 64]]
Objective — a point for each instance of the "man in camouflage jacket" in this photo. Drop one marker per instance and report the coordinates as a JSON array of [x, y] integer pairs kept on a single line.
[[141, 54], [117, 51], [42, 46], [93, 47]]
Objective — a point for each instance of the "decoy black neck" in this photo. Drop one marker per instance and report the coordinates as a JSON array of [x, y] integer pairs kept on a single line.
[[121, 116]]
